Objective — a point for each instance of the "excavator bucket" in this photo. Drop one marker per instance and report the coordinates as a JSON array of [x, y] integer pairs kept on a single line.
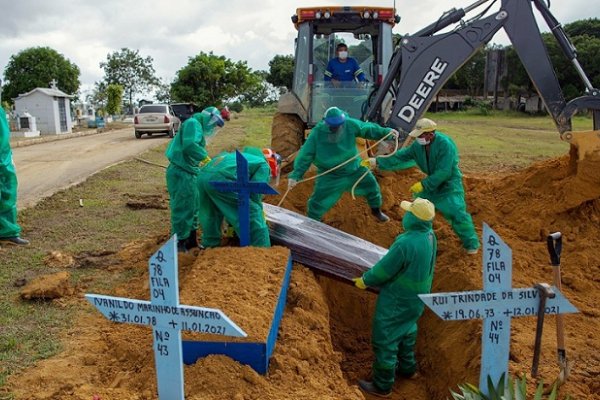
[[585, 145], [582, 183]]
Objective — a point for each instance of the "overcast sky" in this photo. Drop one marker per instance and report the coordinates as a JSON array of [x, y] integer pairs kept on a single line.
[[170, 31]]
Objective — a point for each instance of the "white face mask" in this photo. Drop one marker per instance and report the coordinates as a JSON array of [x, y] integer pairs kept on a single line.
[[422, 141], [343, 55]]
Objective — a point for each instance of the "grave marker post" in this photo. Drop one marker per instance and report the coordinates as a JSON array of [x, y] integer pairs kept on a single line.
[[496, 305], [167, 318]]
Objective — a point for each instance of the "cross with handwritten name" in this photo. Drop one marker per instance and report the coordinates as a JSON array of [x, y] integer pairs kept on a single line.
[[167, 318], [496, 304]]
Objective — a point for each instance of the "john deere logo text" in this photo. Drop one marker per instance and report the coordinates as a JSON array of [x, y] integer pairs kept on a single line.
[[407, 113]]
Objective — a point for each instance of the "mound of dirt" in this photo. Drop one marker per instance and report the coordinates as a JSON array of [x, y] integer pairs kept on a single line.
[[246, 293], [523, 207], [115, 361], [57, 259], [47, 287]]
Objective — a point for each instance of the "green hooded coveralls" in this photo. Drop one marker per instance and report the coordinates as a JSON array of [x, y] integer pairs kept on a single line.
[[215, 205], [8, 184], [443, 184], [403, 273], [185, 152], [327, 150]]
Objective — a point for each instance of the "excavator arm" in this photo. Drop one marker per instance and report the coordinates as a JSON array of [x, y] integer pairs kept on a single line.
[[425, 61]]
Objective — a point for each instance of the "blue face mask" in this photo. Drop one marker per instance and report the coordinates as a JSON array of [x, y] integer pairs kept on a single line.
[[423, 141]]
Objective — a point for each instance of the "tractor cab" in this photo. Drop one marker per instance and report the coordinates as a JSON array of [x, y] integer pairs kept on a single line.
[[367, 33]]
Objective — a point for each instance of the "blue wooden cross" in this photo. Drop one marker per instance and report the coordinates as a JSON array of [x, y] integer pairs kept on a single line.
[[244, 189], [496, 304], [167, 318]]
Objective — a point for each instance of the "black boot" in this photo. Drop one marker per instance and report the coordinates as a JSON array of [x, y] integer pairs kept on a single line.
[[405, 374], [381, 217], [182, 246], [16, 240], [192, 241], [370, 388]]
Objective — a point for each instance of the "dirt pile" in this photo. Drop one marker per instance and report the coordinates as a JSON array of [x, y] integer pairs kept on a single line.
[[246, 292], [523, 208], [57, 259], [115, 361], [47, 287]]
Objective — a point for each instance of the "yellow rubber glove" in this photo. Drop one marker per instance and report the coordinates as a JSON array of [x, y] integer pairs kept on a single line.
[[205, 161], [416, 188], [359, 283], [229, 232], [370, 163]]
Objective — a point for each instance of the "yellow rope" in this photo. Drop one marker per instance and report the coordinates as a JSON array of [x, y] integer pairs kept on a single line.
[[339, 166], [368, 170]]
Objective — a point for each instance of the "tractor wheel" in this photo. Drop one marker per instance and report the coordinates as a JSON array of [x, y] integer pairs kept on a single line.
[[287, 134]]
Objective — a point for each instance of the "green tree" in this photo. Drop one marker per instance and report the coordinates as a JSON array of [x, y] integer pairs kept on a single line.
[[590, 27], [210, 80], [99, 97], [130, 70], [163, 92], [37, 67], [470, 76], [281, 71], [588, 50], [114, 99], [396, 39], [261, 92]]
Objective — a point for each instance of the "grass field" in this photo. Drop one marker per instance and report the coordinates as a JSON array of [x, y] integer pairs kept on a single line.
[[32, 330], [501, 141]]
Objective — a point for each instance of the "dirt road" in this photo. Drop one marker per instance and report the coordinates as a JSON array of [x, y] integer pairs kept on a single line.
[[45, 168]]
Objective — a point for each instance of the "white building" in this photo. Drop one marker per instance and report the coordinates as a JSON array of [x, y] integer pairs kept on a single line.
[[50, 106]]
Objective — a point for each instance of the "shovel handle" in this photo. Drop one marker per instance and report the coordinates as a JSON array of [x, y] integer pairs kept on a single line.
[[554, 249], [560, 325], [554, 242]]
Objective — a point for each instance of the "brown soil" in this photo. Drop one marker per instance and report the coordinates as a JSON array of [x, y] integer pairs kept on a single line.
[[324, 339], [46, 287], [247, 292], [147, 201], [57, 259], [115, 361], [523, 208]]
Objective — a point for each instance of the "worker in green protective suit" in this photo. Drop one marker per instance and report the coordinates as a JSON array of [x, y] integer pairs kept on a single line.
[[216, 206], [436, 155], [186, 153], [330, 143], [402, 274], [9, 228]]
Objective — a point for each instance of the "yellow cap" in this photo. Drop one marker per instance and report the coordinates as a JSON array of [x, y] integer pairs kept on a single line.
[[421, 208], [423, 125]]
